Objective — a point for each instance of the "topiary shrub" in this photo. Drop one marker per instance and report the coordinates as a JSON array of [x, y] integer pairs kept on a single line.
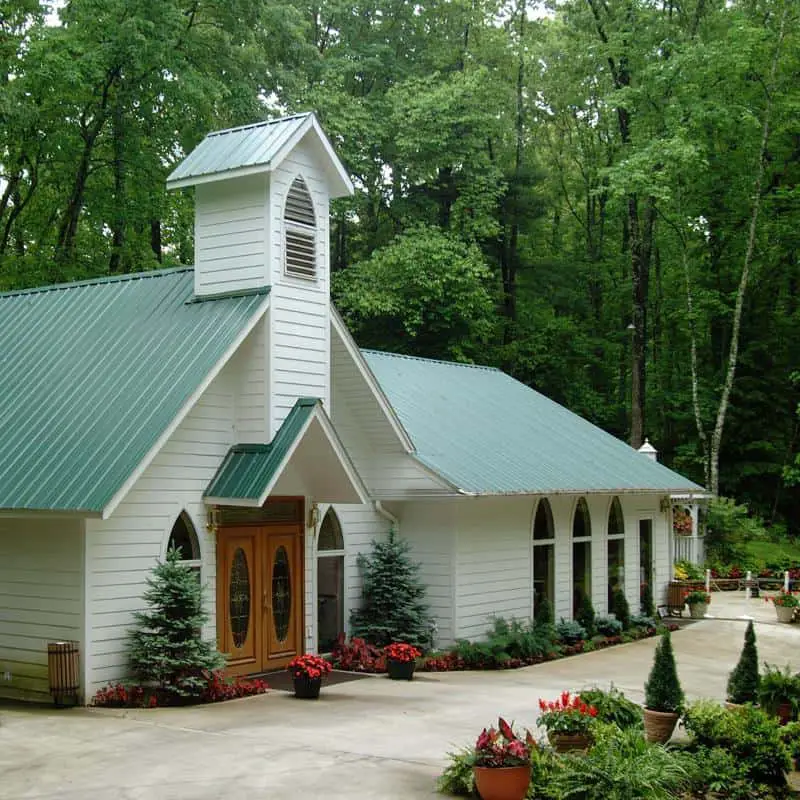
[[544, 613], [585, 614], [648, 606], [392, 607], [744, 680], [620, 609], [166, 650], [662, 691]]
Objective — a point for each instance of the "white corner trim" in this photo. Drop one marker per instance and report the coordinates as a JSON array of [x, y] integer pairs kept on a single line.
[[187, 407], [366, 373]]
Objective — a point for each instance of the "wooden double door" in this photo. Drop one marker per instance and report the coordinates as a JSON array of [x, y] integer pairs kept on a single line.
[[260, 596]]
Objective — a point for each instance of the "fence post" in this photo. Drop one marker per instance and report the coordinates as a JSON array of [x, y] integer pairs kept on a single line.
[[786, 583], [748, 582], [708, 581]]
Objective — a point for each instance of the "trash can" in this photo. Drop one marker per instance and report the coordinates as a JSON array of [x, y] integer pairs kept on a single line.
[[63, 669]]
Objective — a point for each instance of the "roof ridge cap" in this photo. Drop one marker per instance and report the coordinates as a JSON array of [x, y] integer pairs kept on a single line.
[[431, 360], [262, 124], [100, 279]]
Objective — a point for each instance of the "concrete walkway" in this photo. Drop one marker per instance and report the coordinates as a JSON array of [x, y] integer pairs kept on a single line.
[[371, 738]]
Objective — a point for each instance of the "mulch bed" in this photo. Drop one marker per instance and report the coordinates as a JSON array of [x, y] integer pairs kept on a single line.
[[281, 680]]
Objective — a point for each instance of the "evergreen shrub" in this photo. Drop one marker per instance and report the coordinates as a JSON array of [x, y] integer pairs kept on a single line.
[[744, 679], [663, 689], [585, 615], [608, 626], [543, 615], [620, 609], [648, 606]]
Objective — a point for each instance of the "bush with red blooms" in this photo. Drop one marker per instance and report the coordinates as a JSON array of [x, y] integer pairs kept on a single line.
[[447, 662], [309, 666], [501, 747], [357, 656], [219, 688], [567, 714], [398, 651], [784, 599]]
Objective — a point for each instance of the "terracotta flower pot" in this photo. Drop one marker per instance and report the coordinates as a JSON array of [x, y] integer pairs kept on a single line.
[[502, 783], [785, 613], [698, 610], [307, 688], [659, 725], [565, 742], [400, 670]]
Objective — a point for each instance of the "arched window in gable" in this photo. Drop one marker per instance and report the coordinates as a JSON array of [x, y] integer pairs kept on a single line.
[[581, 554], [543, 554], [330, 582], [300, 232], [183, 538]]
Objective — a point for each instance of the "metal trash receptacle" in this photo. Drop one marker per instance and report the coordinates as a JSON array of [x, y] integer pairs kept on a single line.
[[63, 669]]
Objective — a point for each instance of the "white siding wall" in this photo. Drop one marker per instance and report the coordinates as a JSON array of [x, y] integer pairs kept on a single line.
[[493, 562], [299, 333], [430, 529], [563, 508], [41, 598], [121, 551], [231, 235], [378, 455], [249, 366]]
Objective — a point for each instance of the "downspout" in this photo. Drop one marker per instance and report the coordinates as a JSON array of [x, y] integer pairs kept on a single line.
[[387, 515]]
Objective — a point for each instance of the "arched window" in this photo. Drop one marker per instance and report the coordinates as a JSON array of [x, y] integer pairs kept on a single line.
[[183, 538], [616, 550], [300, 232], [581, 554], [543, 554], [330, 582]]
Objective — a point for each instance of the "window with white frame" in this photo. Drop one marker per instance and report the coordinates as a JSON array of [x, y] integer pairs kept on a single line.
[[581, 554], [183, 538], [330, 582], [300, 232], [543, 554], [616, 550]]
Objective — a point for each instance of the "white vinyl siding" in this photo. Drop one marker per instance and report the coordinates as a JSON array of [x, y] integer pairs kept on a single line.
[[231, 235], [41, 598]]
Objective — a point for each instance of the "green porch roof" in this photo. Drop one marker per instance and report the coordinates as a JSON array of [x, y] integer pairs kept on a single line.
[[487, 433], [249, 468], [94, 373]]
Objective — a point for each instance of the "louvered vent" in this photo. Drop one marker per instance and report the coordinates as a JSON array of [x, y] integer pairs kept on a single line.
[[300, 232]]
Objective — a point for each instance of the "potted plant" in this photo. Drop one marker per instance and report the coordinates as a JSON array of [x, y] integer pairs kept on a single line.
[[786, 604], [744, 679], [663, 696], [698, 603], [307, 672], [400, 660], [779, 693], [502, 766], [568, 722]]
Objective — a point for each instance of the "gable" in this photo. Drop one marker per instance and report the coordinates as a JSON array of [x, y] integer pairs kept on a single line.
[[487, 433], [97, 374]]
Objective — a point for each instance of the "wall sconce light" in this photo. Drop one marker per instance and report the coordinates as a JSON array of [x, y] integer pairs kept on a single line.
[[313, 515], [212, 519], [665, 504]]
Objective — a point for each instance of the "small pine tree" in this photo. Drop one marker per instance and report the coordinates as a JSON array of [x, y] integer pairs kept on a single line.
[[648, 606], [585, 615], [620, 609], [744, 680], [166, 650], [543, 615], [393, 607], [663, 692]]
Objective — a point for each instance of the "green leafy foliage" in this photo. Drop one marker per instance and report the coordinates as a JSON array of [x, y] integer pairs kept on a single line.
[[608, 626], [458, 778], [613, 707], [648, 606], [507, 644], [166, 649], [570, 631], [743, 682], [393, 605], [621, 609], [543, 615], [585, 615], [777, 687], [663, 689], [729, 527]]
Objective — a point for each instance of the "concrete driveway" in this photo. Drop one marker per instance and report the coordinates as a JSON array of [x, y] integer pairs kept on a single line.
[[371, 738]]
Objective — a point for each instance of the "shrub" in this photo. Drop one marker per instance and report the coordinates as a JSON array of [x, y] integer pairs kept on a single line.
[[585, 615], [646, 602], [622, 766], [458, 778], [544, 614], [620, 609], [790, 736], [642, 621], [663, 689], [613, 707], [608, 626], [570, 631], [357, 656], [167, 650], [744, 679], [393, 607], [777, 687], [507, 644], [747, 733], [716, 771]]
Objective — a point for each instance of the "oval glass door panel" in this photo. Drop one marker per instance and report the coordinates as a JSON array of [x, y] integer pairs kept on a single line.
[[239, 600], [281, 594]]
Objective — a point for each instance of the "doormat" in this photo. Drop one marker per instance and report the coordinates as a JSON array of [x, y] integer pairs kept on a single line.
[[282, 679]]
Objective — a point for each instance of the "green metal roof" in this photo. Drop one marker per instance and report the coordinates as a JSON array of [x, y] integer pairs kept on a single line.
[[249, 468], [94, 373], [487, 433], [236, 148]]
